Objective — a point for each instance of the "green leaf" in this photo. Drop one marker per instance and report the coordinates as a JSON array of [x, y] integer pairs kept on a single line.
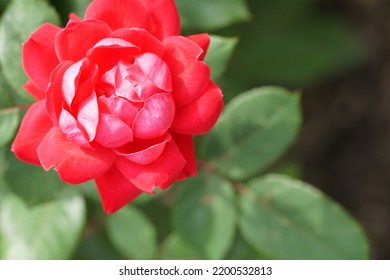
[[4, 189], [32, 183], [47, 231], [19, 20], [6, 91], [255, 129], [204, 215], [288, 219], [3, 4], [242, 251], [219, 53], [207, 15], [145, 198], [96, 246], [174, 248], [132, 234], [9, 123]]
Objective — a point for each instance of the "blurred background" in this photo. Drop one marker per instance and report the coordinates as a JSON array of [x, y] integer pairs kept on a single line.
[[337, 53]]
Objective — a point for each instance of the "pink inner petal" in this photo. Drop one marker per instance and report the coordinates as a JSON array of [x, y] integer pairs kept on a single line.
[[144, 152], [112, 132], [156, 117], [120, 107], [70, 81], [156, 70], [71, 129], [88, 115]]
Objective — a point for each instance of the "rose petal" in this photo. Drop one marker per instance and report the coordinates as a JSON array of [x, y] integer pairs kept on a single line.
[[71, 128], [74, 164], [39, 56], [74, 17], [160, 173], [107, 52], [119, 107], [155, 118], [185, 143], [203, 41], [141, 38], [112, 132], [88, 115], [115, 190], [190, 76], [199, 117], [35, 124], [156, 70], [73, 41], [144, 152], [159, 17], [36, 92], [55, 92], [70, 81]]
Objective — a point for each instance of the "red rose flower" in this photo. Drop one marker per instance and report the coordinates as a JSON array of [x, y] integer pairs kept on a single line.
[[120, 96]]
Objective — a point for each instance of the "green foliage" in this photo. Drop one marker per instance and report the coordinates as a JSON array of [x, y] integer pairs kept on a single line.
[[132, 234], [209, 15], [6, 99], [204, 215], [254, 130], [174, 248], [19, 20], [288, 219], [240, 250], [48, 231], [9, 123], [219, 54], [3, 4], [32, 183]]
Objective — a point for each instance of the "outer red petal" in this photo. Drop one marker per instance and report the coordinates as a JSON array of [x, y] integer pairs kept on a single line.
[[187, 149], [73, 163], [74, 17], [141, 38], [189, 75], [73, 42], [200, 116], [39, 56], [115, 190], [160, 173], [203, 41], [36, 92], [159, 17], [36, 123]]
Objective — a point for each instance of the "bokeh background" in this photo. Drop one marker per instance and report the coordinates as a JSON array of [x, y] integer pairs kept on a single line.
[[337, 54]]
